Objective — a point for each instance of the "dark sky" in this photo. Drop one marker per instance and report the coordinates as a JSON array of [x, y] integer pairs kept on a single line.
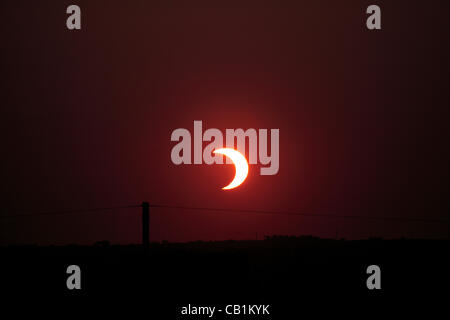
[[87, 116]]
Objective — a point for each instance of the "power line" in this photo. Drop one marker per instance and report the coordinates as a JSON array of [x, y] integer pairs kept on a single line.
[[54, 213], [292, 213]]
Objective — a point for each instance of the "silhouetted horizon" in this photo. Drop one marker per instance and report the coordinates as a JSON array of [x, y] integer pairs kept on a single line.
[[272, 238], [236, 270]]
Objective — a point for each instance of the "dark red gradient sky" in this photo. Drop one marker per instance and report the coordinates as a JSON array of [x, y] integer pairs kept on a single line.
[[87, 116]]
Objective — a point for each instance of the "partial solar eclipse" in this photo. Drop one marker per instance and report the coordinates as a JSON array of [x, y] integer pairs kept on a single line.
[[240, 163]]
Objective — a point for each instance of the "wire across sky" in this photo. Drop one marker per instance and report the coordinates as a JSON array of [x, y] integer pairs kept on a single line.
[[223, 210]]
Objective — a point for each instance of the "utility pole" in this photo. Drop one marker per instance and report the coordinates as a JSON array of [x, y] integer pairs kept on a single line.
[[145, 225]]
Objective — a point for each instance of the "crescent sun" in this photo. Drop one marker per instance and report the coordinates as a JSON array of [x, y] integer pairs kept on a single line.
[[240, 163]]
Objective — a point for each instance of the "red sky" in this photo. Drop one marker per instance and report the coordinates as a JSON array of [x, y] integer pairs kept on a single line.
[[87, 116]]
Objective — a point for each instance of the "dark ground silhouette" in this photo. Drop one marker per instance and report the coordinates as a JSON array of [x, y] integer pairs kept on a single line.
[[286, 272]]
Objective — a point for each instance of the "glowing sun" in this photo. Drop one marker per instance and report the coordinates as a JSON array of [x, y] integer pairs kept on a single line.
[[240, 163]]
